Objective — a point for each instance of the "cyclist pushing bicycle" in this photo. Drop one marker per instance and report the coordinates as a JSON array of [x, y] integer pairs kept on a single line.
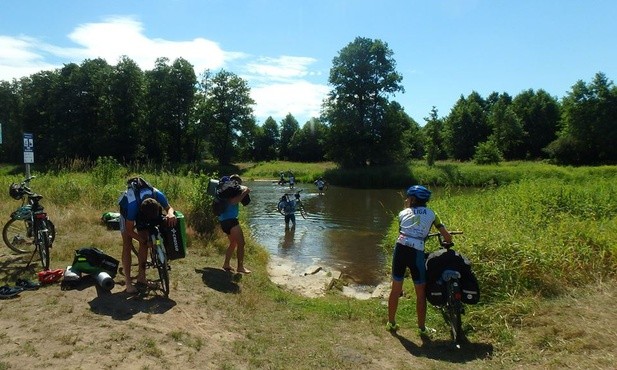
[[135, 217], [415, 222]]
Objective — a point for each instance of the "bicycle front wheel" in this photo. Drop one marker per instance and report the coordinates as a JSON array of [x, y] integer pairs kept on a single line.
[[162, 267], [17, 235], [302, 211]]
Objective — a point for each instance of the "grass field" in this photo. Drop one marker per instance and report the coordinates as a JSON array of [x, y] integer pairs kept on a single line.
[[542, 244]]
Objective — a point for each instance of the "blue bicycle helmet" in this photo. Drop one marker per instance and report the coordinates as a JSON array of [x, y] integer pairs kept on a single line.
[[419, 192]]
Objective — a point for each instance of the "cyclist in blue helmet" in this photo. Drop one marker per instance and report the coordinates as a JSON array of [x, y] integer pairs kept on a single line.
[[415, 222]]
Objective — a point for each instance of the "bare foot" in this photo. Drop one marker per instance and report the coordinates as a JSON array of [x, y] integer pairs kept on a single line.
[[244, 271], [130, 289], [228, 268]]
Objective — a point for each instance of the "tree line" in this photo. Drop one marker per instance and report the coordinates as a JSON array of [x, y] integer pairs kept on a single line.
[[171, 115]]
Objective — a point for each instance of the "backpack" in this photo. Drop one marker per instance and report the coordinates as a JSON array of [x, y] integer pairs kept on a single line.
[[449, 259], [90, 260], [136, 185], [218, 205]]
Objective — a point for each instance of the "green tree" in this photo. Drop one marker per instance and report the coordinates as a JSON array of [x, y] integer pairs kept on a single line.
[[363, 77], [540, 117], [466, 126], [507, 128], [10, 118], [589, 118], [309, 143], [127, 105], [289, 127], [170, 97], [226, 110], [433, 137], [267, 141]]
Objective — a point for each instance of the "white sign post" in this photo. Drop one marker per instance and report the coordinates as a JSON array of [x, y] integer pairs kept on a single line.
[[28, 152]]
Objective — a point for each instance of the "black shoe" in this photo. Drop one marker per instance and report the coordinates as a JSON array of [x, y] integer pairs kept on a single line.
[[8, 292], [27, 284]]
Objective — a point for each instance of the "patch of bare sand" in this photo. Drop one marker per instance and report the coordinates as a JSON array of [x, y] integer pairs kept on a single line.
[[315, 280], [89, 328]]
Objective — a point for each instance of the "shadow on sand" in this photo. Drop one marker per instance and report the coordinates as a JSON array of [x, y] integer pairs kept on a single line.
[[445, 350], [123, 305], [220, 280]]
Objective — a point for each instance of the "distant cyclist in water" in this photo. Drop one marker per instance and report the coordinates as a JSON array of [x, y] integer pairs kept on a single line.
[[292, 180], [321, 184]]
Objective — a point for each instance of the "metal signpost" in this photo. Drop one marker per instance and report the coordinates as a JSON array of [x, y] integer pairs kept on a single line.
[[28, 152]]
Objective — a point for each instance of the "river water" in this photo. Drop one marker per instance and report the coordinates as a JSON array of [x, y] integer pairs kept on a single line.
[[343, 230]]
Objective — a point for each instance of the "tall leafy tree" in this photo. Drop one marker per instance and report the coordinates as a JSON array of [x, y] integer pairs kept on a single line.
[[466, 126], [10, 118], [289, 127], [363, 77], [226, 111], [589, 118], [540, 117], [507, 128], [267, 141], [309, 143], [433, 137], [127, 104], [170, 97]]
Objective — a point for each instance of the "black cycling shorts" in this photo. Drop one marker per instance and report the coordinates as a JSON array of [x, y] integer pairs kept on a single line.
[[229, 224], [407, 257]]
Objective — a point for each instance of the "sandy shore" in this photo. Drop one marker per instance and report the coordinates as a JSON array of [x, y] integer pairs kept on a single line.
[[314, 281]]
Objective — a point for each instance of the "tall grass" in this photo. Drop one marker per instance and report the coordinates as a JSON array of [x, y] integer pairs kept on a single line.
[[534, 238]]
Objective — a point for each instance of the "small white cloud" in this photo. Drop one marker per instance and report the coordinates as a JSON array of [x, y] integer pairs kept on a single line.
[[284, 67], [301, 98]]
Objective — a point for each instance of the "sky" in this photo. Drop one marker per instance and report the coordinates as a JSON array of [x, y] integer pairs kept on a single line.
[[444, 49]]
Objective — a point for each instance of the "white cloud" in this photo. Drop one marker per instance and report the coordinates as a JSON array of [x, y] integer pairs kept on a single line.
[[279, 85], [301, 98]]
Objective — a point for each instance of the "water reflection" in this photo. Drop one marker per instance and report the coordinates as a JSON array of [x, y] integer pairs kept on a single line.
[[343, 228]]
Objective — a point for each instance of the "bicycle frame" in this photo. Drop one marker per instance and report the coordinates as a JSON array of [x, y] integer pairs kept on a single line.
[[158, 259], [29, 225]]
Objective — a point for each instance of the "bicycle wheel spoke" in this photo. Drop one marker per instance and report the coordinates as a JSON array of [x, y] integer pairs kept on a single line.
[[17, 235]]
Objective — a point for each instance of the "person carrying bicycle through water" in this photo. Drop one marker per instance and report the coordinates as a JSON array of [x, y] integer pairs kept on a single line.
[[415, 222], [131, 227], [287, 207]]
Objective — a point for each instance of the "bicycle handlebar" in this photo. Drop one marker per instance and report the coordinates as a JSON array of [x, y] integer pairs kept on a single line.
[[441, 242]]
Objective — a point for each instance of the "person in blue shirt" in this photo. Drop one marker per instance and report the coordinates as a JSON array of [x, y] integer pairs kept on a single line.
[[287, 207], [228, 220], [132, 227]]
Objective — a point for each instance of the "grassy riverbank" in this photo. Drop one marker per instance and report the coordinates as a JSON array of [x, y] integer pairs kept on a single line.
[[542, 246]]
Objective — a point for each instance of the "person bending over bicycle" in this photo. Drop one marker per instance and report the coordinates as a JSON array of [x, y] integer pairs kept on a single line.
[[415, 222], [131, 226]]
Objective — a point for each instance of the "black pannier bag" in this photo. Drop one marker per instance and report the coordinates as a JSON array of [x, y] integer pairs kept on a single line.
[[449, 259]]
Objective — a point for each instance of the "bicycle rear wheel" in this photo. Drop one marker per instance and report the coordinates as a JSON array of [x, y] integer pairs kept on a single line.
[[17, 235], [162, 266], [43, 243], [454, 308]]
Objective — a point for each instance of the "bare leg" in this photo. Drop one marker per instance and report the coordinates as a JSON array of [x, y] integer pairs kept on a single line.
[[142, 256], [395, 293], [230, 251], [238, 236], [127, 244], [421, 304]]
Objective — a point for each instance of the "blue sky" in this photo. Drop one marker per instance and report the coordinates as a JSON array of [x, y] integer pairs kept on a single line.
[[284, 48]]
